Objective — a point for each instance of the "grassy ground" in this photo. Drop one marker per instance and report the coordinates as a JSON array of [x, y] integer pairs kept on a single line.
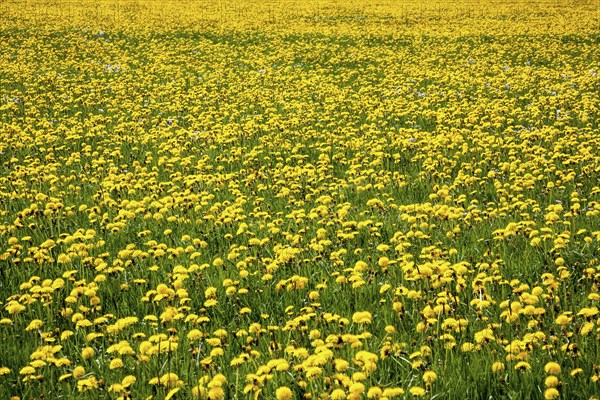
[[299, 200]]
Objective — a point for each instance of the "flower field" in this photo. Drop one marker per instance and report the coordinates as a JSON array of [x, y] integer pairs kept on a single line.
[[299, 199]]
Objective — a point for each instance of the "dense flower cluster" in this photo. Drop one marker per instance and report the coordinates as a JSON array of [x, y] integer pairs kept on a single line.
[[299, 200]]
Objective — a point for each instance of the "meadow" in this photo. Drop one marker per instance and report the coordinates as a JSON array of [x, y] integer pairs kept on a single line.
[[299, 200]]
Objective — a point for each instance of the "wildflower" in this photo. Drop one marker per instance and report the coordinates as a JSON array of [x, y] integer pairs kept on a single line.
[[563, 319], [37, 364], [87, 384], [128, 380], [64, 377], [484, 336], [429, 377], [359, 376], [374, 392], [216, 393], [218, 262], [312, 372], [341, 365], [78, 371], [220, 333], [586, 328], [194, 334], [576, 371], [116, 363], [14, 307], [498, 367], [218, 380], [199, 392], [552, 381], [338, 394], [552, 368], [237, 361], [551, 393], [28, 370], [87, 352], [169, 379], [356, 388], [466, 347], [417, 391], [523, 366], [283, 393], [116, 387], [588, 312], [362, 317], [282, 365], [35, 324], [392, 392], [172, 393]]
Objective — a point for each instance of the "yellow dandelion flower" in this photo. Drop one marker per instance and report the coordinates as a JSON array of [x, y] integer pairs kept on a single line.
[[467, 347], [14, 307], [35, 324], [498, 366], [392, 392], [220, 379], [341, 365], [576, 371], [551, 393], [38, 364], [116, 363], [523, 366], [87, 384], [210, 303], [194, 334], [356, 388], [552, 368], [551, 381], [116, 387], [128, 380], [199, 392], [563, 319], [218, 262], [220, 333], [374, 392], [216, 393], [417, 391], [87, 352], [362, 317], [28, 370], [172, 393], [283, 393], [237, 361], [484, 336], [64, 377], [429, 377], [78, 371]]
